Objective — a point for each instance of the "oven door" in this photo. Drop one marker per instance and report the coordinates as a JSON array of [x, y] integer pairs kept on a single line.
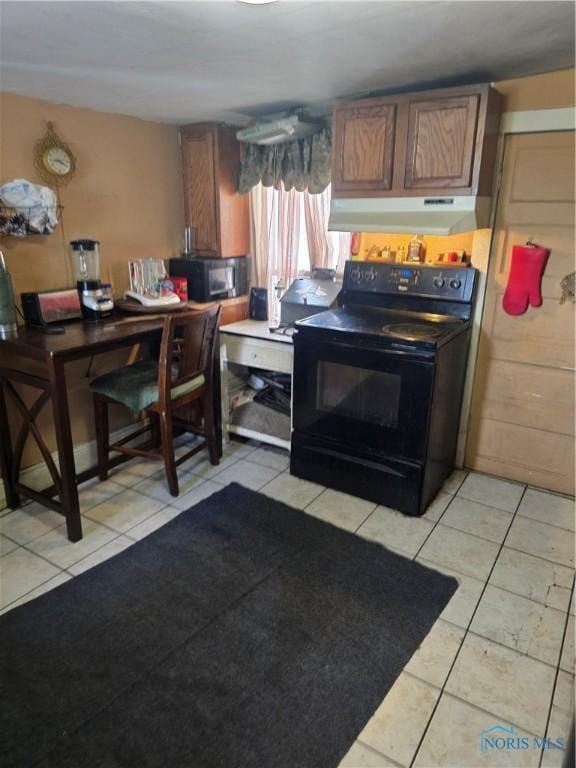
[[363, 397]]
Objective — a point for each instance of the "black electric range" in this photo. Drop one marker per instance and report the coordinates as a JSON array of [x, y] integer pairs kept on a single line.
[[378, 381]]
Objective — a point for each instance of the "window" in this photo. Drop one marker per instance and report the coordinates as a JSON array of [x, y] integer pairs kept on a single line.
[[290, 235]]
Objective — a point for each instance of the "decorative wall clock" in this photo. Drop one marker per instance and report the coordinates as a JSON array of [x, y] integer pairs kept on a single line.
[[53, 158]]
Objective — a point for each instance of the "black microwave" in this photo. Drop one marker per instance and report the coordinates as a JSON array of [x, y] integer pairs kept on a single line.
[[211, 279]]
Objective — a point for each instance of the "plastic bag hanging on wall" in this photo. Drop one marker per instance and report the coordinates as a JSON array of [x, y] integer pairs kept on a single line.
[[568, 284], [524, 284]]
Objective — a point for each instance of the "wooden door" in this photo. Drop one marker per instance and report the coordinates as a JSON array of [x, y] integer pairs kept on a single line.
[[363, 154], [441, 143], [199, 171], [522, 417]]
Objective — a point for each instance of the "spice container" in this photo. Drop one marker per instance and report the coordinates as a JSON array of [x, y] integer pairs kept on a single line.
[[387, 255], [416, 249], [400, 255]]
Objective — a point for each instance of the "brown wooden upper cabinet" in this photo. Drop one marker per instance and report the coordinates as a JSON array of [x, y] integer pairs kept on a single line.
[[416, 144], [218, 215], [364, 147]]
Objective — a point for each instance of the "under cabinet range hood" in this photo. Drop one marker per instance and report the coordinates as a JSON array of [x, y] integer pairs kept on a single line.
[[425, 215]]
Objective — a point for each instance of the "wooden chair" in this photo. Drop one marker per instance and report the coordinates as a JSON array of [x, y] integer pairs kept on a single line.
[[182, 376]]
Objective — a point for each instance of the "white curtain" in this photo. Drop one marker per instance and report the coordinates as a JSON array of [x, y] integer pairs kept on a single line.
[[326, 249], [290, 235], [275, 234]]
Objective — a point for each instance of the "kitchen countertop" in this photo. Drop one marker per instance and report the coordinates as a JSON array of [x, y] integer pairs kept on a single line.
[[256, 329]]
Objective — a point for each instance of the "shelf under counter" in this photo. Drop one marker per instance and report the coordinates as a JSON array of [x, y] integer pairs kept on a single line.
[[250, 343]]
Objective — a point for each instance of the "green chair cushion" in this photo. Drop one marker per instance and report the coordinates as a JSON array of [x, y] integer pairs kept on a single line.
[[136, 386]]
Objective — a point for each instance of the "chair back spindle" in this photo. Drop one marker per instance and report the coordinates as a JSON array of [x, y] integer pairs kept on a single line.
[[187, 350]]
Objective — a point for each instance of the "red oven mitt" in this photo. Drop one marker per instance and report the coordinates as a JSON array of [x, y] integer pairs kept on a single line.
[[524, 279]]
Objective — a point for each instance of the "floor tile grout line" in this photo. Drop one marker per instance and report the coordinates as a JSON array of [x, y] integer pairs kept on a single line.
[[378, 753], [435, 525], [507, 546], [462, 530], [324, 488], [109, 527], [545, 559], [479, 635], [222, 469], [484, 504], [512, 549], [450, 670], [11, 603], [229, 466], [542, 522], [557, 675], [51, 562], [552, 493], [466, 473], [468, 704], [73, 575], [432, 564], [468, 533], [287, 472], [369, 515]]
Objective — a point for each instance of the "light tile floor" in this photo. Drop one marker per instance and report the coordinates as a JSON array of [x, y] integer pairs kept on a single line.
[[501, 653]]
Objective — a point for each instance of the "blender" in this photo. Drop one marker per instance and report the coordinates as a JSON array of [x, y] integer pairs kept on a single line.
[[85, 255]]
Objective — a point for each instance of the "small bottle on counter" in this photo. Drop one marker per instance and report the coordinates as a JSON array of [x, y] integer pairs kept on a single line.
[[416, 249], [400, 255], [386, 254], [274, 306]]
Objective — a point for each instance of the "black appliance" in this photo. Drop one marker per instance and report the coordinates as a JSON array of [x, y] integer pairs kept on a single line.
[[309, 295], [378, 382], [258, 304], [212, 279]]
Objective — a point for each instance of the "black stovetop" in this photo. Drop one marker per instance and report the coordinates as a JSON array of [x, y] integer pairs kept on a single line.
[[414, 328]]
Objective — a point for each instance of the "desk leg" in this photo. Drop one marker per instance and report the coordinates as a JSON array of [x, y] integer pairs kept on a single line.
[[6, 458], [224, 395], [217, 384], [60, 409]]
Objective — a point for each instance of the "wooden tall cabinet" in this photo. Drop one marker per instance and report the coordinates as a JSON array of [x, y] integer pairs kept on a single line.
[[218, 215], [416, 144]]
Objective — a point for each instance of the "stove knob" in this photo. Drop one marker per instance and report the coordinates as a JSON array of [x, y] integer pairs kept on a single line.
[[370, 276], [455, 283], [355, 275], [439, 282]]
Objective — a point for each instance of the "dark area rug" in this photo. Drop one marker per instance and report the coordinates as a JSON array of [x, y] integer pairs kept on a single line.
[[243, 633]]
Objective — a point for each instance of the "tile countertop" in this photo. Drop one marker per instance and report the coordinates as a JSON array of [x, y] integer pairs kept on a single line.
[[256, 329]]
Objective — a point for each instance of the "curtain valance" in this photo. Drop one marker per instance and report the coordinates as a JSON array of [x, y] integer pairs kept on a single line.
[[301, 164]]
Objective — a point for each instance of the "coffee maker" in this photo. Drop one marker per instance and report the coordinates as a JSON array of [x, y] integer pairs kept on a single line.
[[85, 255]]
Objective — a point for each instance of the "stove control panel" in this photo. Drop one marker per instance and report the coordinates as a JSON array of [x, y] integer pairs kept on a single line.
[[451, 283]]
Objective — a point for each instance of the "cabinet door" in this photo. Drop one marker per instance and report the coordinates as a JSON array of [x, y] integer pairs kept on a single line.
[[198, 166], [363, 148], [440, 152]]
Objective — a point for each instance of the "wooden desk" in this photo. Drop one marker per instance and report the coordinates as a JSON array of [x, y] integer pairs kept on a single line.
[[53, 352]]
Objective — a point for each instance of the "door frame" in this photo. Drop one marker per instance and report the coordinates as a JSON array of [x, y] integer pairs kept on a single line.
[[528, 121]]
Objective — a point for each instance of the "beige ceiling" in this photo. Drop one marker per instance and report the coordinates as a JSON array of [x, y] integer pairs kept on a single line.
[[222, 59]]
